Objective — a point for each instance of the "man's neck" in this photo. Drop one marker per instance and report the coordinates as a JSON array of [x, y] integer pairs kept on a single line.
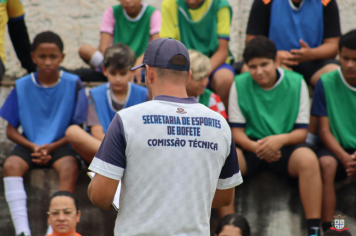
[[172, 91]]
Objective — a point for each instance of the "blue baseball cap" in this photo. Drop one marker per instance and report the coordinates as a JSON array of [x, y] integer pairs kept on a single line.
[[160, 52]]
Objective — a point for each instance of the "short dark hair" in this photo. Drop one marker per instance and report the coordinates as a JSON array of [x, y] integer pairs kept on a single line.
[[235, 220], [331, 232], [47, 37], [348, 40], [118, 57], [261, 47], [66, 194], [178, 60]]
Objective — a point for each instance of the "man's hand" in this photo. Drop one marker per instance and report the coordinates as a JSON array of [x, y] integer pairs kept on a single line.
[[303, 54], [41, 154], [286, 59], [351, 166], [269, 149]]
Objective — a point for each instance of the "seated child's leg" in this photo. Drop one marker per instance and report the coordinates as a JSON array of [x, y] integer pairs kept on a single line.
[[91, 55], [82, 142], [221, 80], [328, 166], [331, 170], [14, 168], [304, 164], [66, 163]]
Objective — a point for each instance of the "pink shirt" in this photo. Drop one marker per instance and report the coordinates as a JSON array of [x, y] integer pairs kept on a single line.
[[108, 22]]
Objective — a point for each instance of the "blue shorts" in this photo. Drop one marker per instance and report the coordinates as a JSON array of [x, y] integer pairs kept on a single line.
[[223, 66]]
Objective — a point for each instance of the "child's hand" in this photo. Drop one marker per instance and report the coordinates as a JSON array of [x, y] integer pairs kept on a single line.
[[41, 154], [351, 166], [269, 148], [42, 160]]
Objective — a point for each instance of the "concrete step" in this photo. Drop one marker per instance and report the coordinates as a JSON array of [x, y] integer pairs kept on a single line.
[[269, 203]]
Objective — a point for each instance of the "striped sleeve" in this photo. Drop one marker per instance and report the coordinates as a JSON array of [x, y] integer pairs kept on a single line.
[[230, 175], [110, 160]]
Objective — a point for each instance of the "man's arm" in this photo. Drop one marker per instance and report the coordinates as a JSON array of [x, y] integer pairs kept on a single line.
[[219, 57], [97, 131], [109, 164], [223, 197], [328, 49], [101, 191]]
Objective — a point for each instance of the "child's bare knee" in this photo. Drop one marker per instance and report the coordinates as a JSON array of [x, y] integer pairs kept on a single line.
[[14, 166], [72, 132], [327, 165]]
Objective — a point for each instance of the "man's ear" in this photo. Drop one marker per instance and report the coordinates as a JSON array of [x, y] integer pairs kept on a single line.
[[189, 76], [150, 74]]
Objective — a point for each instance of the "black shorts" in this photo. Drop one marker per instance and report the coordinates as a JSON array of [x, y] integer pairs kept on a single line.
[[340, 170], [25, 154], [256, 166], [308, 68]]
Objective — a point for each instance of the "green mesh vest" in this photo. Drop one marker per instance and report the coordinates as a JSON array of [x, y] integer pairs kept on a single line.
[[135, 34], [205, 97], [269, 112], [340, 105], [201, 35]]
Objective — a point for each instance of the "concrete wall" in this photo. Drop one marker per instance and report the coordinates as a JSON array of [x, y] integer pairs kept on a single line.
[[78, 22]]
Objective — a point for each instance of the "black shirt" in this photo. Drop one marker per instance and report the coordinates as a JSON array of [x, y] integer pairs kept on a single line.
[[258, 22]]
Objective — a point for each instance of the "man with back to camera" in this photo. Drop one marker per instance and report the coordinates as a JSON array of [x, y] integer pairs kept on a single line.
[[166, 152]]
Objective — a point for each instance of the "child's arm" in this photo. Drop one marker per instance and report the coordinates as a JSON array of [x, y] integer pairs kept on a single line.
[[14, 135], [97, 131], [219, 57], [107, 29], [105, 41], [223, 32], [330, 141]]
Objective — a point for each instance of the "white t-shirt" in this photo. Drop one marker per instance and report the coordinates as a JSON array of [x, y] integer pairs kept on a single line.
[[171, 155]]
